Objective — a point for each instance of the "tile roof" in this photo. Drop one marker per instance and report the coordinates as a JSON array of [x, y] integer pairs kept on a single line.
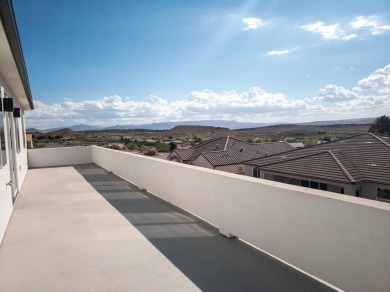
[[229, 150], [356, 159]]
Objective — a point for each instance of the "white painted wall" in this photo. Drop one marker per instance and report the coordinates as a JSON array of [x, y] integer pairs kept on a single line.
[[47, 157], [6, 204], [370, 190], [21, 158], [203, 162], [233, 168], [340, 239]]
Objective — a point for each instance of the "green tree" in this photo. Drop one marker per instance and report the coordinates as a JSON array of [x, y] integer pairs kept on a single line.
[[162, 147], [197, 138], [310, 141], [381, 125], [172, 146]]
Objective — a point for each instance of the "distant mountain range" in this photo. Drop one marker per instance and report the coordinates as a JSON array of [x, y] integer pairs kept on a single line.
[[233, 125], [340, 122]]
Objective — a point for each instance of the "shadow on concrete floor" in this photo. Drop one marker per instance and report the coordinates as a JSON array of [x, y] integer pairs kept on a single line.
[[210, 260]]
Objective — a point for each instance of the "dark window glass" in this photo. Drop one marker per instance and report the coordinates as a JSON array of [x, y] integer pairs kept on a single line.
[[383, 194], [342, 190], [323, 187], [17, 137], [23, 129], [314, 185], [3, 154], [305, 183]]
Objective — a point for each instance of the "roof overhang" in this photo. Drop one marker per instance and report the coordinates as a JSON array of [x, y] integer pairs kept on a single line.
[[12, 67]]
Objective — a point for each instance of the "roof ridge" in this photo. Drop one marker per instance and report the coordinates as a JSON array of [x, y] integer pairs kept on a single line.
[[226, 143], [348, 175], [207, 142], [242, 141], [379, 139]]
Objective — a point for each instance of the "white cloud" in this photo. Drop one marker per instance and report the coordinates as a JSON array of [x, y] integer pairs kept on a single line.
[[363, 24], [205, 104], [350, 37], [384, 70], [334, 93], [379, 81], [253, 23], [370, 22], [371, 97], [328, 32], [279, 53], [341, 102]]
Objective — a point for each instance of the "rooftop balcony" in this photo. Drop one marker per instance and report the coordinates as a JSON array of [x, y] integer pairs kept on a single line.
[[90, 218]]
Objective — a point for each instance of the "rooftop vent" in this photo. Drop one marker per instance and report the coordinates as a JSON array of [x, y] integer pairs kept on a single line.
[[242, 149], [216, 147], [373, 164]]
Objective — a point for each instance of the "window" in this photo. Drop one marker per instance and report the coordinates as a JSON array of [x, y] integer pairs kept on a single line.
[[383, 194], [17, 137], [323, 187], [305, 183], [240, 169], [23, 128], [314, 185], [256, 172], [341, 190], [3, 154]]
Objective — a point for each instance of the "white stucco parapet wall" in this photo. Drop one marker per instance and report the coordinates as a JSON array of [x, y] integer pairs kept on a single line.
[[340, 239], [58, 156]]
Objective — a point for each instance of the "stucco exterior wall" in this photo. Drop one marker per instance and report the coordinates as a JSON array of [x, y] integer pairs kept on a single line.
[[59, 156], [233, 168], [202, 162], [370, 190], [6, 204]]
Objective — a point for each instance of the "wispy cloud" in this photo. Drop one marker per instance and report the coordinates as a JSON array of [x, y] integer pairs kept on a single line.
[[370, 22], [282, 52], [328, 32], [350, 37], [253, 23], [336, 31]]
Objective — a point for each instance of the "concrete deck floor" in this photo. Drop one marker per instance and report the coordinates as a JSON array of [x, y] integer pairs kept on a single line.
[[79, 228]]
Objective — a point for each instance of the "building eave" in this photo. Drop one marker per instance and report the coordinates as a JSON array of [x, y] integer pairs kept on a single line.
[[18, 81]]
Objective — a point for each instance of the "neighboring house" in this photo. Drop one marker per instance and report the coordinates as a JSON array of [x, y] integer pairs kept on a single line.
[[15, 97], [358, 166], [297, 144], [226, 153]]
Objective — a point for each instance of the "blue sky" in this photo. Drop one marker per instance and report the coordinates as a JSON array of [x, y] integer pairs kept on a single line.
[[131, 62]]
